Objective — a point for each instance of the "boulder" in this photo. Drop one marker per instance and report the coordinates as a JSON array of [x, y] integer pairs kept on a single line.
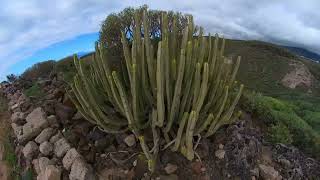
[[61, 147], [69, 158], [36, 166], [130, 140], [30, 150], [220, 153], [46, 148], [56, 137], [64, 113], [269, 173], [52, 120], [50, 173], [45, 135], [81, 171], [37, 115], [171, 168], [77, 116], [43, 163], [58, 93], [36, 122]]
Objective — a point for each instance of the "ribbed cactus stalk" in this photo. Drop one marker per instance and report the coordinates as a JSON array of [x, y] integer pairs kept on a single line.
[[187, 86]]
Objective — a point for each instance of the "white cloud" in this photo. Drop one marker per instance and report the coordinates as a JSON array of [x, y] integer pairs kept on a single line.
[[29, 25]]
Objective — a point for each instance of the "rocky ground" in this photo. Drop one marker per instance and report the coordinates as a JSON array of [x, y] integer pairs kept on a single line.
[[53, 138]]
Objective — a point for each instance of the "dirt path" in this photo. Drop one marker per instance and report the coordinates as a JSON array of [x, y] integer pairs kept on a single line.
[[4, 127]]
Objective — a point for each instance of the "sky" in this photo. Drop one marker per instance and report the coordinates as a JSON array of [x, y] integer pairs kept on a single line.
[[36, 30]]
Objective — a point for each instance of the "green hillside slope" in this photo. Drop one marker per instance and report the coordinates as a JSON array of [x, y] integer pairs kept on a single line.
[[264, 65]]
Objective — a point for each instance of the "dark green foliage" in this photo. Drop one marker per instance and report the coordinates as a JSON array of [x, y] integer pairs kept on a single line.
[[12, 78], [39, 70], [110, 32], [279, 133]]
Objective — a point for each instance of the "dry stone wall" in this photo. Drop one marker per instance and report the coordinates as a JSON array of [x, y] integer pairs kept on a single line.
[[38, 133]]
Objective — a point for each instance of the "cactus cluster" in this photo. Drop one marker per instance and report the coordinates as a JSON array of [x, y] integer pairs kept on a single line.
[[179, 88]]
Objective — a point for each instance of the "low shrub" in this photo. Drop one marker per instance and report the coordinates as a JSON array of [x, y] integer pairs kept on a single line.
[[282, 115], [34, 91], [280, 133]]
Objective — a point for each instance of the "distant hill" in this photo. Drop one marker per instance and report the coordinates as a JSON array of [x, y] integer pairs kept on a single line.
[[304, 53], [265, 68], [272, 69], [83, 54]]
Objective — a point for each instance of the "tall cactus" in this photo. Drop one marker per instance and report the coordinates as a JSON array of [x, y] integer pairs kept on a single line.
[[187, 88]]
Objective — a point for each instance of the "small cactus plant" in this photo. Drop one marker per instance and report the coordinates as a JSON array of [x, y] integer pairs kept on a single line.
[[180, 88]]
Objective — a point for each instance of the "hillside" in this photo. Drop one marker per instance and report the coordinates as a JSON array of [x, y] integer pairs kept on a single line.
[[304, 53], [288, 84], [279, 128], [264, 66]]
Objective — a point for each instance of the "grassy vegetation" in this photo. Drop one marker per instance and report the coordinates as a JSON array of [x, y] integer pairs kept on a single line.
[[279, 133], [34, 91], [68, 70], [5, 141], [288, 121]]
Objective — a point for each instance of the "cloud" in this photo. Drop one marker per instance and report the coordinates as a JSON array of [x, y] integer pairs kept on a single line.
[[27, 26]]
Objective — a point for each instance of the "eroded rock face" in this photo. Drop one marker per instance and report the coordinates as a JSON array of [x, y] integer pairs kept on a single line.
[[299, 76]]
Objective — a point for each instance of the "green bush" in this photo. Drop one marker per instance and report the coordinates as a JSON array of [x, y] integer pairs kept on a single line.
[[275, 113], [34, 91], [280, 133]]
